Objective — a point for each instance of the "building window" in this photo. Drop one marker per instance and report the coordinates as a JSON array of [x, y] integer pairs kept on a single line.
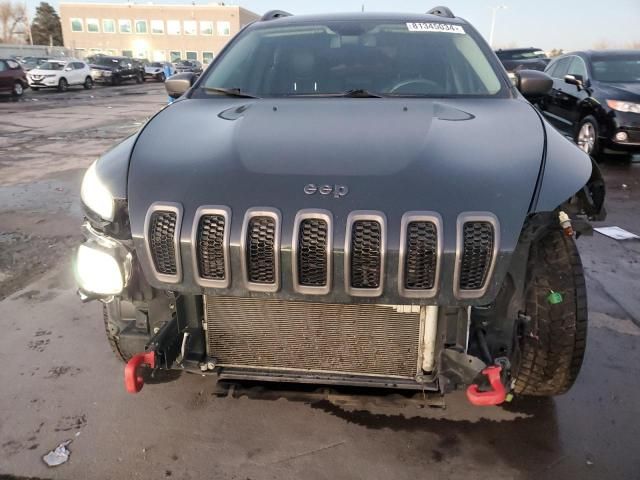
[[127, 53], [191, 55], [174, 56], [124, 26], [190, 27], [157, 27], [206, 28], [224, 29], [93, 25], [141, 26], [173, 27], [76, 25], [108, 26], [159, 56], [207, 57]]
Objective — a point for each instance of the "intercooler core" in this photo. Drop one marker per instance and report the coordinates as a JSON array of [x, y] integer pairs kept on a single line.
[[271, 334]]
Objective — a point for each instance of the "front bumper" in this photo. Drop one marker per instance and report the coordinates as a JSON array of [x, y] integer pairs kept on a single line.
[[628, 123]]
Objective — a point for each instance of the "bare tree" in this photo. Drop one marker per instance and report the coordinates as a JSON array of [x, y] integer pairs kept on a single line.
[[13, 21]]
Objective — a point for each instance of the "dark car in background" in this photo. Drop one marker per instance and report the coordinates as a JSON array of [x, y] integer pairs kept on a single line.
[[596, 100], [29, 63], [188, 66], [115, 70], [13, 80], [514, 59]]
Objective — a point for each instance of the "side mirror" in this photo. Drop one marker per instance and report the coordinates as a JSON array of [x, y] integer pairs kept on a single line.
[[68, 69], [533, 84], [177, 85], [576, 80]]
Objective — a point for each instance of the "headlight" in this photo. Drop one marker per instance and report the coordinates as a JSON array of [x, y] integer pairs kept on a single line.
[[98, 272], [95, 195], [622, 106]]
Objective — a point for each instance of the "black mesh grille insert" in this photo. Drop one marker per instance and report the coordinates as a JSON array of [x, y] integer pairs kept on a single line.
[[162, 229], [261, 254], [211, 265], [477, 253], [312, 252], [366, 254], [421, 257]]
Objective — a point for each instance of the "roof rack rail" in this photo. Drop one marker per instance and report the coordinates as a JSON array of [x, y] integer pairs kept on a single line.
[[442, 12], [273, 14]]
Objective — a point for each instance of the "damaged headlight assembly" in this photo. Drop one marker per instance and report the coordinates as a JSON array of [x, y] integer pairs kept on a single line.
[[96, 196]]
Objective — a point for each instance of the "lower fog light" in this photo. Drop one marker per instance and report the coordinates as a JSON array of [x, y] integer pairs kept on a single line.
[[622, 136], [98, 272]]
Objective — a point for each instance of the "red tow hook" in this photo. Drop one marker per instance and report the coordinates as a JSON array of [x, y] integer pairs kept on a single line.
[[492, 397], [132, 380]]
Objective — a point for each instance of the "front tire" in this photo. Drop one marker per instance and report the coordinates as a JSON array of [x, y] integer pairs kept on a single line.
[[587, 136], [88, 83], [161, 77], [552, 347], [139, 78], [18, 89], [63, 85]]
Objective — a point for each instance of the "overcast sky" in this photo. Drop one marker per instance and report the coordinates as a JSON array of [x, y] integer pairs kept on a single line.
[[547, 24]]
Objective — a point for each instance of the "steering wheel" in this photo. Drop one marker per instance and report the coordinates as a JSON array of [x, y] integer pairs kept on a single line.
[[432, 87]]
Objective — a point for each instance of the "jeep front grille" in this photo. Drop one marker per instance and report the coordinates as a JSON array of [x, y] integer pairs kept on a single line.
[[256, 255], [162, 234], [346, 338], [421, 256], [477, 254], [210, 247]]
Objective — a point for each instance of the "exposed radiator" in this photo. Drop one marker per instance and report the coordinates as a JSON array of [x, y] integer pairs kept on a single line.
[[276, 334]]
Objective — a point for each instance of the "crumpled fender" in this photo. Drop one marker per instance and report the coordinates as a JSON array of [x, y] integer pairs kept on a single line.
[[565, 170]]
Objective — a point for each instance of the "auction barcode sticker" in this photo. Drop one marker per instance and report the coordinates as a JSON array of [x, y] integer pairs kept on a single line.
[[435, 27]]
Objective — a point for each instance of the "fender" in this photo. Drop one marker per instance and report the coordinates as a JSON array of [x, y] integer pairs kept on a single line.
[[565, 171]]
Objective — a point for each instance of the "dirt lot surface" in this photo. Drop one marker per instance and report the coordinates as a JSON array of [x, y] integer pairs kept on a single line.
[[60, 381]]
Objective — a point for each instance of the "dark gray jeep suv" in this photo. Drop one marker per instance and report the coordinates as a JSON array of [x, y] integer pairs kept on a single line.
[[366, 200]]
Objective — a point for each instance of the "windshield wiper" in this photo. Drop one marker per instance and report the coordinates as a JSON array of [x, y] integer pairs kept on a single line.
[[230, 92], [361, 93]]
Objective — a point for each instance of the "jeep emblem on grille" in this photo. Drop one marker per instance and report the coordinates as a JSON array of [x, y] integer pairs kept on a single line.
[[337, 190]]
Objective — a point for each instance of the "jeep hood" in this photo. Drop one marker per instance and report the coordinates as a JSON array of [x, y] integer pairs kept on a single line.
[[393, 155]]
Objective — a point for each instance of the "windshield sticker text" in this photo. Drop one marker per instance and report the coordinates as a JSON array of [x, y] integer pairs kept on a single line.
[[435, 27]]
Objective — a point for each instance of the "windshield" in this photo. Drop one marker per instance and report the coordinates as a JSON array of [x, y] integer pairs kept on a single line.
[[521, 55], [106, 61], [51, 66], [399, 59], [618, 69]]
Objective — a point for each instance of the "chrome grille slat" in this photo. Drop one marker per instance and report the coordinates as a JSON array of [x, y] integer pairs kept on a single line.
[[365, 249], [261, 254], [210, 247], [347, 338], [422, 256], [161, 241], [477, 253], [312, 252], [260, 245]]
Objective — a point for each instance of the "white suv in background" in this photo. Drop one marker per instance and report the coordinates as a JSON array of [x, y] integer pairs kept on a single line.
[[60, 74]]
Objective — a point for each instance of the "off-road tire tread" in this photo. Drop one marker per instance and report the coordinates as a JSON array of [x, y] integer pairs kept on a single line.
[[552, 353]]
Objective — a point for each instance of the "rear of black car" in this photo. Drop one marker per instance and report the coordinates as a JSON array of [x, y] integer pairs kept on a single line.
[[514, 59]]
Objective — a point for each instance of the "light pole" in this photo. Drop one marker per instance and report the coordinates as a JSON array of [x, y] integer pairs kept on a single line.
[[494, 11]]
